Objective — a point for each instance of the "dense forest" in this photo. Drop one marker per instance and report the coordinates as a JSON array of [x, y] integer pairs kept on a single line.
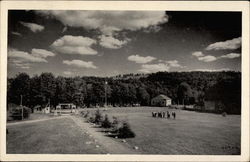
[[125, 90]]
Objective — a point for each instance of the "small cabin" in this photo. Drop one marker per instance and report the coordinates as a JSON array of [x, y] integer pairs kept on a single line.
[[46, 110], [161, 100]]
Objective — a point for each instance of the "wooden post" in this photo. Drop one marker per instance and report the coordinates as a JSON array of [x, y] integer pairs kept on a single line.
[[21, 104], [105, 87]]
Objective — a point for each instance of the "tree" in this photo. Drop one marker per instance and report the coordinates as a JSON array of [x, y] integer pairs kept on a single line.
[[48, 88], [184, 92], [143, 96], [20, 85], [228, 92]]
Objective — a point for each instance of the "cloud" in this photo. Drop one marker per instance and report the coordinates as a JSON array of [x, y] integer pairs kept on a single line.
[[207, 58], [24, 56], [80, 64], [212, 70], [69, 44], [174, 63], [140, 59], [201, 57], [197, 54], [152, 68], [108, 22], [68, 72], [33, 27], [231, 55], [41, 53], [23, 59], [111, 42], [19, 63], [226, 45], [16, 33]]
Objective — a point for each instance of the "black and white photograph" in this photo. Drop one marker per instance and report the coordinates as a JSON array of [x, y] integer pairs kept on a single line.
[[119, 82]]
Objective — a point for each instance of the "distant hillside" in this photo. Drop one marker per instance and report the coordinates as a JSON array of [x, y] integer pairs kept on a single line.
[[187, 87]]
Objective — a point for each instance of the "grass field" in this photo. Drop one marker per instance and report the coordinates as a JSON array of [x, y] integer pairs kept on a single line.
[[190, 133], [58, 136]]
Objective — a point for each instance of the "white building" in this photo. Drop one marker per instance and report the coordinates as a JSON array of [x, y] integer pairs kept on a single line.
[[161, 100]]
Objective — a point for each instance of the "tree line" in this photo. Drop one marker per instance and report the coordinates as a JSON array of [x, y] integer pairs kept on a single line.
[[126, 90]]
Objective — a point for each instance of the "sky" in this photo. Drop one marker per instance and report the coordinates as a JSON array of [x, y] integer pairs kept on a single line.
[[108, 43]]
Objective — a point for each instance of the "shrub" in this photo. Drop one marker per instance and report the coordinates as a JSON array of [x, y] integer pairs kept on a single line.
[[91, 119], [98, 117], [224, 114], [106, 123], [86, 115], [115, 124], [125, 131]]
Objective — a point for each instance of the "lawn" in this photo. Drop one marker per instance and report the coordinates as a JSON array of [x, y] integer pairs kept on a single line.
[[57, 136], [190, 133]]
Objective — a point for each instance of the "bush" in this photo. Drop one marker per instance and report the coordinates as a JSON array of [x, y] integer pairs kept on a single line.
[[125, 131], [115, 124], [106, 123], [91, 120], [86, 115], [98, 117]]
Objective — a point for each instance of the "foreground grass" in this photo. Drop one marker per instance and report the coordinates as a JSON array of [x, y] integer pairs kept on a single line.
[[190, 133], [57, 136]]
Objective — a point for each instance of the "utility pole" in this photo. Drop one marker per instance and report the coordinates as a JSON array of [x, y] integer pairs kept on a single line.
[[21, 104], [105, 88]]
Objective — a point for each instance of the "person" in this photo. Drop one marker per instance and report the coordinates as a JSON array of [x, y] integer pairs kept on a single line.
[[163, 114], [168, 114], [173, 114]]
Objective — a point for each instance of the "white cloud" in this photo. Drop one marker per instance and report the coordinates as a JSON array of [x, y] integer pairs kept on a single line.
[[174, 63], [19, 63], [226, 45], [23, 59], [197, 54], [33, 27], [69, 44], [108, 22], [140, 59], [231, 55], [41, 53], [201, 57], [151, 68], [68, 72], [207, 58], [80, 64], [212, 70], [111, 42], [24, 56], [16, 33]]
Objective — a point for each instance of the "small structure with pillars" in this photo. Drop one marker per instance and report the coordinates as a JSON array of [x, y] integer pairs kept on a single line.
[[65, 108]]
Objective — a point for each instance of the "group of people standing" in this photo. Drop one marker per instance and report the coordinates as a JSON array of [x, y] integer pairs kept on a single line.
[[163, 114]]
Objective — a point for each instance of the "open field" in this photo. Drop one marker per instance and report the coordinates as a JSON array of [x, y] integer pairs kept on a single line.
[[57, 136], [190, 133]]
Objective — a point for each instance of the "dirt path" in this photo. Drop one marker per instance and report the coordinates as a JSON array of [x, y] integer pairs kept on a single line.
[[33, 121], [112, 146]]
